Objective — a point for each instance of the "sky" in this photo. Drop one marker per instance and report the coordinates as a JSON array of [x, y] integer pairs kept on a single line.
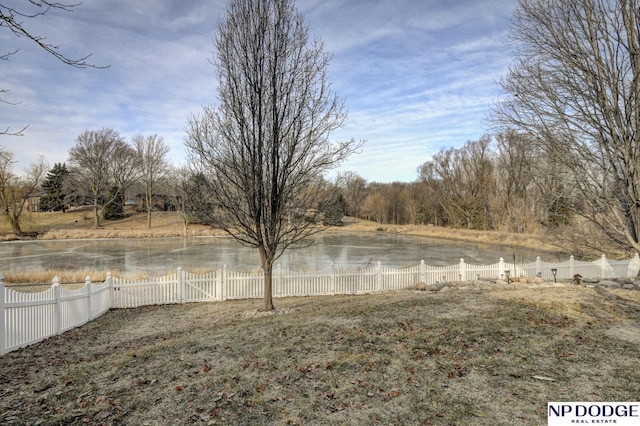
[[416, 76]]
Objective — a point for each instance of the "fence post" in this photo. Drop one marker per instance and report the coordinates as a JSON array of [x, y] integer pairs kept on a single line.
[[332, 280], [109, 282], [538, 266], [3, 331], [422, 272], [501, 268], [379, 276], [219, 284], [57, 321], [634, 266], [277, 283], [181, 284], [603, 266], [87, 284], [572, 266], [225, 282], [463, 270]]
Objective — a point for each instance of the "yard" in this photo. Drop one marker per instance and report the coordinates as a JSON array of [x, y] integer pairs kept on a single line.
[[405, 357]]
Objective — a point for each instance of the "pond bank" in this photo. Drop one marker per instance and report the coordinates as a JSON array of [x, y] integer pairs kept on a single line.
[[79, 225], [487, 237]]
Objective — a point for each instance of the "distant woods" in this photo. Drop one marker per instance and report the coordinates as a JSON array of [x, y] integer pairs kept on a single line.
[[505, 182], [498, 183]]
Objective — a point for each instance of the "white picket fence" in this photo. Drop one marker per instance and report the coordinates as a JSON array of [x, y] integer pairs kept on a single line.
[[26, 318]]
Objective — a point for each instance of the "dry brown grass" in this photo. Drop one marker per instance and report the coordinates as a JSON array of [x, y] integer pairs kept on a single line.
[[407, 357], [66, 276], [79, 224], [490, 237], [46, 276]]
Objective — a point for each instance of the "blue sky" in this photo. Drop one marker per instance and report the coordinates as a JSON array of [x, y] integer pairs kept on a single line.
[[416, 75]]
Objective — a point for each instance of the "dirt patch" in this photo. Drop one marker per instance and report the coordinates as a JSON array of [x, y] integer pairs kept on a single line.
[[402, 357]]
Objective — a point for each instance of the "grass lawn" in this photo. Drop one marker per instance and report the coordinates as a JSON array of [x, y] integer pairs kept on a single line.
[[79, 223], [406, 357]]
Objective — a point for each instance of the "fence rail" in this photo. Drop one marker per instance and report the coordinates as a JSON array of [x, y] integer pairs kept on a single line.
[[26, 318]]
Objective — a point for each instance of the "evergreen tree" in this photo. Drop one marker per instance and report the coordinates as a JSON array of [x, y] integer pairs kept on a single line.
[[421, 214], [334, 210], [114, 208], [53, 187], [559, 212], [198, 204]]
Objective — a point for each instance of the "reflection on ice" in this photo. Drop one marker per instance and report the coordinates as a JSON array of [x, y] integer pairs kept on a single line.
[[155, 256]]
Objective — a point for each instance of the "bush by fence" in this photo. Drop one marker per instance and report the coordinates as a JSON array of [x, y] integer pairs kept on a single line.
[[26, 318]]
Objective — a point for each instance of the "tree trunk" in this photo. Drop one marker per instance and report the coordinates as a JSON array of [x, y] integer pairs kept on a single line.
[[149, 198], [183, 216], [15, 225], [96, 212], [267, 267], [268, 286]]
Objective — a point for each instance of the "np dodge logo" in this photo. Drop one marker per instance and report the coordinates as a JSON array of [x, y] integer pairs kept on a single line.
[[575, 413]]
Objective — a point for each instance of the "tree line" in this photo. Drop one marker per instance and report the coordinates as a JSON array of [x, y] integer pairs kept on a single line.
[[106, 172], [501, 182], [102, 169]]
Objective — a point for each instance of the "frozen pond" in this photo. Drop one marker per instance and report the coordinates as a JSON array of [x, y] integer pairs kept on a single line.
[[160, 255]]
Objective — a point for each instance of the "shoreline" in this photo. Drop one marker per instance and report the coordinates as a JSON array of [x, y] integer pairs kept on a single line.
[[73, 226], [528, 241], [167, 227]]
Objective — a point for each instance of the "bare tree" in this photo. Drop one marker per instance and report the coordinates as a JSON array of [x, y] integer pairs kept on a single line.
[[152, 164], [267, 141], [478, 164], [180, 185], [396, 206], [125, 167], [462, 181], [516, 196], [444, 183], [15, 191], [375, 206], [91, 161], [354, 190], [192, 200], [13, 18], [575, 89]]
